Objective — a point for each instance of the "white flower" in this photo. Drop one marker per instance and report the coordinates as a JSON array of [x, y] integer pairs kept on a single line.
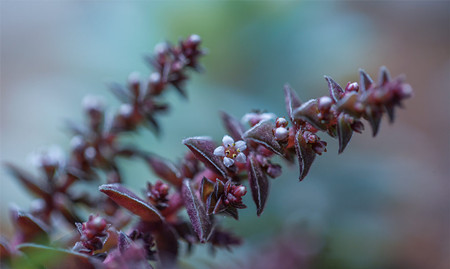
[[231, 151]]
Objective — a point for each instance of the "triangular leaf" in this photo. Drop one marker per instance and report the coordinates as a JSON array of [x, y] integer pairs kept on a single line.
[[384, 76], [127, 199], [336, 92], [365, 80], [203, 149], [197, 214], [374, 118], [308, 112], [291, 100], [262, 133], [259, 184], [390, 109], [305, 154], [233, 126], [345, 132]]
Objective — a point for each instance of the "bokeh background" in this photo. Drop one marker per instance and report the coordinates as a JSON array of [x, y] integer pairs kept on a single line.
[[384, 203]]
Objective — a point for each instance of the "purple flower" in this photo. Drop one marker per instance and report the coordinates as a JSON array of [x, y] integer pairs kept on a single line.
[[231, 151]]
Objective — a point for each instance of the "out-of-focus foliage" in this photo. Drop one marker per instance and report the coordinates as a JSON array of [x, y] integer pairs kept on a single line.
[[397, 215]]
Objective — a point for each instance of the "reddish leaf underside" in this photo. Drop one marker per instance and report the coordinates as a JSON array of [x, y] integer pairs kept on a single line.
[[30, 227], [127, 199], [196, 211], [259, 183]]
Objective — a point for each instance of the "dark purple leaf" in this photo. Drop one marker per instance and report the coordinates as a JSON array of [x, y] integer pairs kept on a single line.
[[232, 211], [50, 258], [336, 92], [152, 124], [262, 133], [345, 132], [390, 111], [179, 87], [308, 112], [197, 214], [259, 184], [203, 149], [374, 117], [384, 76], [365, 81], [31, 228], [164, 169], [233, 126], [28, 181], [305, 154], [127, 199], [291, 100], [167, 245]]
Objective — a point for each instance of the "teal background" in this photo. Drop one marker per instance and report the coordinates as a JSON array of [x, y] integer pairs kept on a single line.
[[384, 203]]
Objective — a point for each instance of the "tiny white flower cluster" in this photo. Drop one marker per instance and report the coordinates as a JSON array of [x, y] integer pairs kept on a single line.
[[231, 151]]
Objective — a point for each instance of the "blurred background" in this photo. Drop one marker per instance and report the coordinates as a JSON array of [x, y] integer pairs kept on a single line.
[[384, 203]]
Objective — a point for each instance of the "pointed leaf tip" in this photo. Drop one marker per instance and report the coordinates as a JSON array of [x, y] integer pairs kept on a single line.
[[336, 91], [259, 184], [305, 154], [201, 222], [233, 126], [384, 76], [365, 80], [345, 132], [292, 101]]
